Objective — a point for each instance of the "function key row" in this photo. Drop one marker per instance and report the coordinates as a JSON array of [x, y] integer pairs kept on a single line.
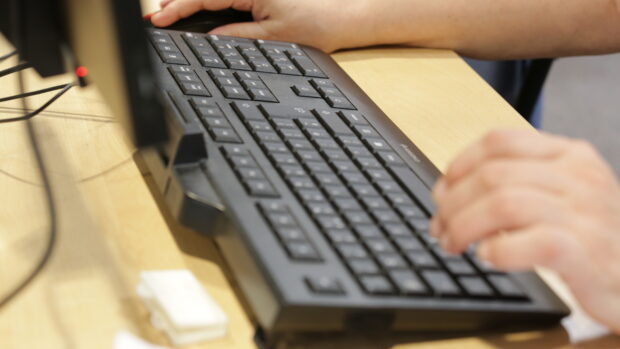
[[215, 51]]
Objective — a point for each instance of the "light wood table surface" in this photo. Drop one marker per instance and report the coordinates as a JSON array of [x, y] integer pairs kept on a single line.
[[111, 227]]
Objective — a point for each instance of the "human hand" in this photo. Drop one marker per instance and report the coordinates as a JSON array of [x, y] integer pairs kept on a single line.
[[531, 199], [326, 24]]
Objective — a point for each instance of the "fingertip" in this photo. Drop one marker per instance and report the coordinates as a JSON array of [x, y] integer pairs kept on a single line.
[[160, 19], [439, 190]]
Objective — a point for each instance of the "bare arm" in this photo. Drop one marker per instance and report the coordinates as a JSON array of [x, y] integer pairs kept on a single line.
[[502, 29], [491, 29]]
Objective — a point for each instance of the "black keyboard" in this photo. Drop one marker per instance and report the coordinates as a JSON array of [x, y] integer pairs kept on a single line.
[[327, 203]]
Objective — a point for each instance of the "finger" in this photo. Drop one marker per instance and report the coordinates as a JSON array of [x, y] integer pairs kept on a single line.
[[540, 245], [179, 9], [504, 209], [164, 3], [506, 143], [252, 30], [495, 174]]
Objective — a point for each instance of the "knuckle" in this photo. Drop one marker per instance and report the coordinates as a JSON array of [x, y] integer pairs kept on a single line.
[[506, 205], [492, 174], [584, 148], [496, 138], [551, 248]]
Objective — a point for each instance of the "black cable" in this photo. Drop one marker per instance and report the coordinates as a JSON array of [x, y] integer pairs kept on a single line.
[[14, 69], [7, 56], [34, 113], [33, 93], [49, 195]]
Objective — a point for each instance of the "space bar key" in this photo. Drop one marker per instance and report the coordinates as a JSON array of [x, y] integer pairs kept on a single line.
[[414, 185]]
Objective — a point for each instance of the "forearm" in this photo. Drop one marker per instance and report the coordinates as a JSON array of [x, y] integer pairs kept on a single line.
[[500, 29]]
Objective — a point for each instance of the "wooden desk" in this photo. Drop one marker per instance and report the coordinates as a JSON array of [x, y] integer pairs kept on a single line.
[[111, 228]]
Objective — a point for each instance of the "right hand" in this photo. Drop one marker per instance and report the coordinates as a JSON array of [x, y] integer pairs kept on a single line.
[[326, 24]]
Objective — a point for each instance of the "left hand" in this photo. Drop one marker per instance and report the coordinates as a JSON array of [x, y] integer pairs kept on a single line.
[[531, 199]]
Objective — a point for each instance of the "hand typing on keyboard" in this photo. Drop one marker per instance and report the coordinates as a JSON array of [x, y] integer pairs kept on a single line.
[[533, 199], [301, 21]]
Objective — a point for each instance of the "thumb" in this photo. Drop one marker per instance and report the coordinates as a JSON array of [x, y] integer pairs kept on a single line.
[[251, 30]]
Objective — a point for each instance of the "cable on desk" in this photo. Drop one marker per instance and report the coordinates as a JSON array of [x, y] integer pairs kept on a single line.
[[33, 93], [15, 69], [34, 113], [49, 195], [7, 56]]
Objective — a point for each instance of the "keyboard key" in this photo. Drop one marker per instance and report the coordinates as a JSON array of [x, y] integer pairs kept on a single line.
[[316, 83], [281, 220], [261, 65], [286, 68], [290, 233], [390, 158], [368, 231], [311, 195], [376, 144], [260, 187], [397, 230], [302, 251], [379, 245], [317, 208], [391, 261], [243, 161], [221, 82], [262, 94], [376, 285], [398, 199], [339, 102], [330, 222], [506, 286], [352, 251], [225, 135], [460, 267], [475, 286], [337, 191], [413, 185], [231, 150], [273, 207], [307, 67], [419, 225], [341, 236], [173, 58], [292, 170], [408, 243], [344, 205], [363, 266], [422, 259], [212, 62], [385, 216], [325, 285], [194, 89], [332, 122], [283, 111], [305, 91], [441, 283], [408, 283], [248, 84], [353, 118], [388, 186], [216, 122], [234, 92], [237, 63], [365, 131], [357, 217], [221, 73], [247, 111], [301, 183]]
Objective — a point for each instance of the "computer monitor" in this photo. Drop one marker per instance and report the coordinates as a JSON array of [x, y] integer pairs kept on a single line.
[[108, 38]]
